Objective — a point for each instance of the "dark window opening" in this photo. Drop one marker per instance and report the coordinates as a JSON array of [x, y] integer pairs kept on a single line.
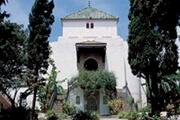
[[1, 107], [91, 64], [87, 25], [104, 100], [92, 25], [23, 101], [77, 99]]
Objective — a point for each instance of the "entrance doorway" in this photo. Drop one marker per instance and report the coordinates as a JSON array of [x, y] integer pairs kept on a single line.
[[93, 102]]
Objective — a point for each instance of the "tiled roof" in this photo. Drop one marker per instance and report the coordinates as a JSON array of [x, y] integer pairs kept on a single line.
[[89, 13]]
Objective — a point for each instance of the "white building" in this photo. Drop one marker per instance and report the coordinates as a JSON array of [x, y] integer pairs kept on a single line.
[[90, 41]]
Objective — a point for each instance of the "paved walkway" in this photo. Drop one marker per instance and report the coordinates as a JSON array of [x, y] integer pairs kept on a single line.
[[42, 117], [109, 118]]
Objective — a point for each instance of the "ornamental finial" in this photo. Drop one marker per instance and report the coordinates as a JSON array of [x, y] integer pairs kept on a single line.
[[89, 4]]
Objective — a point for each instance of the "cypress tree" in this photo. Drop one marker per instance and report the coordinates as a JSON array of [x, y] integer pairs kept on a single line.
[[152, 52], [40, 20]]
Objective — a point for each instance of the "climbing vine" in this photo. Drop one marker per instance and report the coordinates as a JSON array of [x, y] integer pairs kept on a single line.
[[90, 81]]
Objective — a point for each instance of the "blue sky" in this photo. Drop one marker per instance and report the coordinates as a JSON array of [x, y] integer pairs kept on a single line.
[[20, 9]]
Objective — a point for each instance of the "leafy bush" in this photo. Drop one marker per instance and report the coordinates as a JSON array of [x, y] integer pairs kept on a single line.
[[123, 114], [51, 115], [115, 106], [143, 116], [144, 112], [68, 108], [90, 81], [145, 109], [155, 117], [18, 113], [131, 115], [82, 116], [63, 116], [95, 115], [86, 116]]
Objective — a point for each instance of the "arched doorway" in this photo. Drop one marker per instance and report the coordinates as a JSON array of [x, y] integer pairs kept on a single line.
[[90, 64], [92, 104]]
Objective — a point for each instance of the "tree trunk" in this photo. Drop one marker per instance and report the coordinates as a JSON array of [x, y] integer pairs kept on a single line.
[[34, 102], [155, 108], [35, 92]]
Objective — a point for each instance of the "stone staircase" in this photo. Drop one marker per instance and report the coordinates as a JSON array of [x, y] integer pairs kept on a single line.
[[57, 106], [125, 100]]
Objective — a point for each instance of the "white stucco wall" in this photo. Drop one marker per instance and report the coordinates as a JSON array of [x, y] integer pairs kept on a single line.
[[133, 82], [77, 28], [72, 98], [29, 98], [104, 110], [64, 55], [178, 43]]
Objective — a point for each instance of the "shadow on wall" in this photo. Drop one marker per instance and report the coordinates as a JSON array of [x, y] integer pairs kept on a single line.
[[106, 64]]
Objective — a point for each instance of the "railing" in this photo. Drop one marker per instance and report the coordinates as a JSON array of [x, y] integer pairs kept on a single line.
[[5, 101], [53, 97], [130, 95]]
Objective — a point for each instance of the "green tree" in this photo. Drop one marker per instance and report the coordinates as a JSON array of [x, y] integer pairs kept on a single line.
[[51, 84], [171, 93], [162, 14], [152, 52], [12, 48], [3, 2], [3, 14], [12, 57], [40, 20]]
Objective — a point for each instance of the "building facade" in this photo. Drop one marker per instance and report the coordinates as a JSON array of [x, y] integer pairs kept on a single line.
[[90, 42]]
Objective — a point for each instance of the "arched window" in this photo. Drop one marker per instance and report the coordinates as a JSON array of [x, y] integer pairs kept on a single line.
[[87, 25], [78, 100], [91, 64], [104, 100], [92, 25]]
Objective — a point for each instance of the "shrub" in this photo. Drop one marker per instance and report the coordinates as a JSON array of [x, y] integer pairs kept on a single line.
[[95, 115], [144, 112], [82, 116], [143, 116], [17, 113], [145, 109], [155, 117], [86, 116], [123, 114], [115, 106], [133, 115], [68, 108], [63, 116], [51, 115]]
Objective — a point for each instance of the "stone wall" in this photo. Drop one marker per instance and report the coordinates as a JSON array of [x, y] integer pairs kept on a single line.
[[95, 56]]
